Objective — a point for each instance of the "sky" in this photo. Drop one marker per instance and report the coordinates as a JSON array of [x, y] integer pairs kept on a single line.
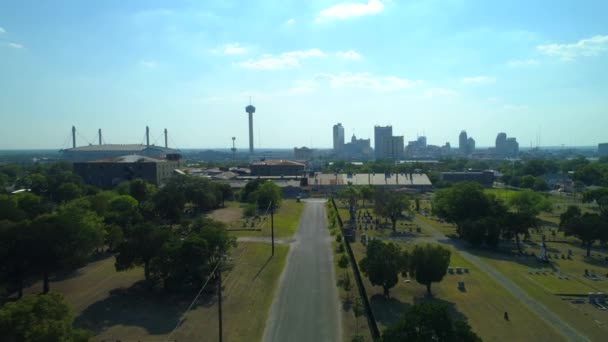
[[536, 70]]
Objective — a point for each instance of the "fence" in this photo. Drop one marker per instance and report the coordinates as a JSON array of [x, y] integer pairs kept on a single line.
[[371, 320]]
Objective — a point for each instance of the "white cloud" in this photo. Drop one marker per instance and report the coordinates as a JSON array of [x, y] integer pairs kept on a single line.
[[14, 45], [287, 60], [521, 63], [290, 21], [367, 81], [230, 49], [347, 10], [2, 30], [439, 92], [588, 47], [305, 53], [478, 80], [148, 65], [351, 54]]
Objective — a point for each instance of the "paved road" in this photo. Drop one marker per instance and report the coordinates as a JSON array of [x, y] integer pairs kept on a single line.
[[552, 319], [306, 306]]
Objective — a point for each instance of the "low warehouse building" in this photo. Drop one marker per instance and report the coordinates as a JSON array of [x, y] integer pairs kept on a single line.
[[277, 168], [485, 178]]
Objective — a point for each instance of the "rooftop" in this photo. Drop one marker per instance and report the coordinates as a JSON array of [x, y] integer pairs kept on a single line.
[[118, 147], [277, 163], [132, 158], [370, 179]]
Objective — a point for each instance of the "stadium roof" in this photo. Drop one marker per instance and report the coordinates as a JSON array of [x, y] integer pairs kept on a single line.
[[133, 158], [117, 147]]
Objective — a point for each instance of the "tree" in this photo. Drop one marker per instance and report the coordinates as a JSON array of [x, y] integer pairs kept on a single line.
[[429, 264], [226, 192], [267, 194], [170, 201], [382, 264], [67, 192], [64, 240], [429, 321], [39, 318], [527, 181], [141, 190], [349, 196], [586, 227], [32, 205], [462, 202], [140, 244], [15, 253], [540, 185], [599, 196], [9, 209], [190, 255], [391, 205], [250, 188], [358, 311], [122, 211], [367, 193]]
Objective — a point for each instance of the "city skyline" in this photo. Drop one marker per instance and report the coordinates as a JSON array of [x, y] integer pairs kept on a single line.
[[436, 67]]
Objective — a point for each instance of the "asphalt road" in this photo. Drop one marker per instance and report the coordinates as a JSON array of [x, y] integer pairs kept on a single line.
[[306, 306]]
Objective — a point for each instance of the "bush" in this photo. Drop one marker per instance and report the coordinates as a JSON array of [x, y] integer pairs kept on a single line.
[[250, 210], [339, 238], [340, 248], [343, 262]]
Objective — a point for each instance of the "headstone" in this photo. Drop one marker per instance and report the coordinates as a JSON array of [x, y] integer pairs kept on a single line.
[[450, 270], [458, 270], [461, 285], [418, 230], [363, 239], [466, 270]]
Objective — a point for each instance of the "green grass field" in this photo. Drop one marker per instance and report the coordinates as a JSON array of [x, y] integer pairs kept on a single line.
[[117, 305], [285, 222], [482, 304]]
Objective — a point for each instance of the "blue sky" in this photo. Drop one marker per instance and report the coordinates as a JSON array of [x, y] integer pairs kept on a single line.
[[433, 67]]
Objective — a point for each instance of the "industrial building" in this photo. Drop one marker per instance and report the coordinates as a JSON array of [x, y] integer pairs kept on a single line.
[[107, 173], [415, 182], [277, 168], [106, 151], [485, 178]]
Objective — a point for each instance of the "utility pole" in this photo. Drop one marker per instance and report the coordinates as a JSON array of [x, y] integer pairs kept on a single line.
[[219, 299], [272, 225]]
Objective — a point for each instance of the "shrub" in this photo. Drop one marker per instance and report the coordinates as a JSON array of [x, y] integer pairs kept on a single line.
[[340, 248], [343, 262], [339, 238], [250, 210]]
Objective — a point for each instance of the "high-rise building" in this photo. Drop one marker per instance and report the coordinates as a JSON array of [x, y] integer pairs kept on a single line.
[[470, 145], [338, 138], [395, 148], [602, 150], [463, 143], [382, 134], [506, 147]]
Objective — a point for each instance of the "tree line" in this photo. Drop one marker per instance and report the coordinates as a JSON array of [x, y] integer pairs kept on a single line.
[[62, 223]]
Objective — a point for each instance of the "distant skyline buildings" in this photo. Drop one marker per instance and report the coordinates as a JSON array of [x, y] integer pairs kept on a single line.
[[338, 136]]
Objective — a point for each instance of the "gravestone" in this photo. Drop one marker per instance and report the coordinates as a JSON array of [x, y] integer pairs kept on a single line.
[[461, 285], [450, 270], [458, 270]]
